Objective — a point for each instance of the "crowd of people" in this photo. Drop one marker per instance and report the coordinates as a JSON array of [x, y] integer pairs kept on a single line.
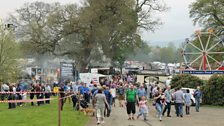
[[131, 94], [20, 92], [102, 96]]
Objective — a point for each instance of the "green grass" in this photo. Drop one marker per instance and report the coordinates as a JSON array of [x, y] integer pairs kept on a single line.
[[44, 115]]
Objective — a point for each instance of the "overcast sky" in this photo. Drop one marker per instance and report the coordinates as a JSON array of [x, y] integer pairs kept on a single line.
[[177, 24]]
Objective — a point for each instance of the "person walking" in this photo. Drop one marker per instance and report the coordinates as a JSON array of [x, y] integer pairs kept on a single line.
[[100, 99], [12, 96], [42, 93], [38, 90], [113, 93], [47, 93], [141, 92], [197, 96], [62, 95], [86, 93], [121, 93], [131, 97], [179, 98], [187, 100], [32, 90], [159, 102], [93, 95], [108, 95], [143, 108], [168, 97], [18, 95]]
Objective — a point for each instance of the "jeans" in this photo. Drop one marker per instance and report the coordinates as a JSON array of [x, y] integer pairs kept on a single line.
[[167, 107], [144, 115], [107, 110], [197, 104], [159, 108], [179, 109]]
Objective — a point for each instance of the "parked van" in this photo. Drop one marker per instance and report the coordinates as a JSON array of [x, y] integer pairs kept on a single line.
[[185, 91]]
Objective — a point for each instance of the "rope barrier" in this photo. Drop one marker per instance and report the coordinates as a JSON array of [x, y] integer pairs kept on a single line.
[[33, 100]]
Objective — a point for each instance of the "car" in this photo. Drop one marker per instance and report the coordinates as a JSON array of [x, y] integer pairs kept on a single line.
[[185, 91]]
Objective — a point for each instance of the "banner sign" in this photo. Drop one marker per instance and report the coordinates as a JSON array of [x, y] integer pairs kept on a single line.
[[202, 72], [66, 70]]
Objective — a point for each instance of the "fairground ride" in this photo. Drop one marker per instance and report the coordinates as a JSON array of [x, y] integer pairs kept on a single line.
[[205, 51]]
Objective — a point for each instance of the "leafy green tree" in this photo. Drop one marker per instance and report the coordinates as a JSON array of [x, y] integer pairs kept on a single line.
[[208, 13], [85, 33], [9, 55], [168, 54], [141, 53]]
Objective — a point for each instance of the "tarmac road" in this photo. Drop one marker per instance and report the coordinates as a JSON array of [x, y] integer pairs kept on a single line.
[[206, 117]]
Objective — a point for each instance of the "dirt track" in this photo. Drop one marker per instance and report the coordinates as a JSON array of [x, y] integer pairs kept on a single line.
[[206, 117]]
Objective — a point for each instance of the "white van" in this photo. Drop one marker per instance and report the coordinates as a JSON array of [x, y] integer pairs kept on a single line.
[[88, 77], [191, 92]]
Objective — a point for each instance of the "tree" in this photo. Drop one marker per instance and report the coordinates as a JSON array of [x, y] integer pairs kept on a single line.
[[167, 54], [145, 9], [50, 28], [186, 80], [85, 33], [9, 55], [208, 13], [141, 53], [213, 90]]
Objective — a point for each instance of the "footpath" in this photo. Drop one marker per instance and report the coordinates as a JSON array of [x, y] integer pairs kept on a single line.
[[119, 117], [207, 116]]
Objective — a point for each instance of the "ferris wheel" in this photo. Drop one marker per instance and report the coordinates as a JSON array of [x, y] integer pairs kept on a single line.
[[204, 52]]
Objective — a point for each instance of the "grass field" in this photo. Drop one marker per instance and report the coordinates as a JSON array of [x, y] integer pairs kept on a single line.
[[44, 115]]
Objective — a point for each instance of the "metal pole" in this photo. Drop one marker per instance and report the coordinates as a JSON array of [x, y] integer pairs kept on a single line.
[[59, 110], [204, 58]]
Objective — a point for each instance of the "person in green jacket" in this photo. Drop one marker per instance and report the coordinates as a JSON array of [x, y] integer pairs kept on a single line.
[[131, 97]]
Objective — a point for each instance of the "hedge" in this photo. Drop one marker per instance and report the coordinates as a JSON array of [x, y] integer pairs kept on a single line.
[[213, 90], [186, 80]]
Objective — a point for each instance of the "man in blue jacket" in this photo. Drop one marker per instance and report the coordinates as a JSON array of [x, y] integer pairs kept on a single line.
[[197, 96], [109, 101]]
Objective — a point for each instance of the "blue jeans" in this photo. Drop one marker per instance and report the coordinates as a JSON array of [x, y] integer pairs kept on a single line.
[[107, 109], [159, 108], [197, 104], [179, 109]]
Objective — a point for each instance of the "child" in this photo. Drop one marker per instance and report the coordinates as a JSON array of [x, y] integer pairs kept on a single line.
[[143, 108], [113, 93], [187, 100], [24, 97]]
